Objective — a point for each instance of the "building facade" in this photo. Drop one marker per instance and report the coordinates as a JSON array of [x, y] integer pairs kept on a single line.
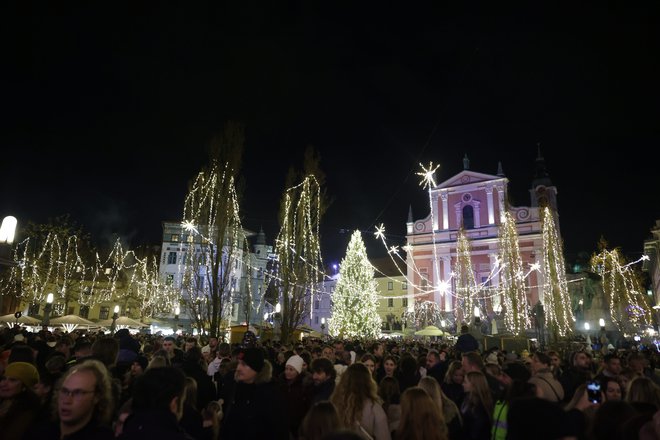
[[476, 203]]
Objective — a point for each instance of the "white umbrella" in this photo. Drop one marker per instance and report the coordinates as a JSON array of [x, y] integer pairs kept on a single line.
[[24, 319], [429, 330], [71, 322]]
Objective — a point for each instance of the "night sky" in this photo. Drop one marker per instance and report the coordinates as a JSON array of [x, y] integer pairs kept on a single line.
[[108, 110]]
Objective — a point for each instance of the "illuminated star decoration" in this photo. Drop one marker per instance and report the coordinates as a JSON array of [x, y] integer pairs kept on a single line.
[[427, 174], [380, 232]]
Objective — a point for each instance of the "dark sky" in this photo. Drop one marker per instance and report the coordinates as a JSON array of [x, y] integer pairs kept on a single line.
[[108, 109]]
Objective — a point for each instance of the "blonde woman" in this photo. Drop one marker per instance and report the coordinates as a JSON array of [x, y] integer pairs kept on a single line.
[[448, 408], [356, 395], [421, 418], [477, 408]]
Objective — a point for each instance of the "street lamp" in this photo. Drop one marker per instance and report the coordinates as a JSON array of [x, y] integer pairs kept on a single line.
[[47, 310], [323, 326], [177, 312], [115, 316]]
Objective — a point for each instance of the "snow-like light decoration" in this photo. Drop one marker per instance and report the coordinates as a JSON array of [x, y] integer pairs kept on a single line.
[[558, 313], [623, 289], [355, 299], [466, 286], [516, 317]]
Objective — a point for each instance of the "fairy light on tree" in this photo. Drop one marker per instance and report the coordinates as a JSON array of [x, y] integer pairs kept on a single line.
[[623, 289], [424, 313], [558, 312], [466, 286], [215, 239], [298, 244], [516, 310], [355, 299]]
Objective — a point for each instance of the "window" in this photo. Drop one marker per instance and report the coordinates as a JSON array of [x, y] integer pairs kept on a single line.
[[169, 279], [390, 285], [105, 311], [316, 319], [468, 217], [171, 258], [404, 286], [84, 311], [175, 237], [316, 304], [424, 283], [33, 310], [390, 302], [404, 302]]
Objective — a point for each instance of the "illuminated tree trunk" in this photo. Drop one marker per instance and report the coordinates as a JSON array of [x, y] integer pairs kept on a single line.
[[516, 309], [466, 286], [558, 313]]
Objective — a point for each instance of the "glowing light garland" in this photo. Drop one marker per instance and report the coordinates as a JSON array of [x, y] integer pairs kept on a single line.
[[623, 290], [516, 310], [467, 291], [423, 313], [355, 299], [559, 316]]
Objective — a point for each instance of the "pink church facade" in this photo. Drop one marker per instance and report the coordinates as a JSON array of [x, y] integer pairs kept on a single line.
[[476, 201]]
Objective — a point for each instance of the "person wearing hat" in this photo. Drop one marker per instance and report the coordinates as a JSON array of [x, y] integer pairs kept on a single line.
[[17, 396], [255, 408], [296, 391]]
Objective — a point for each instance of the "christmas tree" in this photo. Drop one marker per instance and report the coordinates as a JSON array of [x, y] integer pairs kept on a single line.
[[355, 299], [466, 286]]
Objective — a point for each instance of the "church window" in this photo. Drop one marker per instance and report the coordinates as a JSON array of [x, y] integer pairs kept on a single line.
[[468, 217]]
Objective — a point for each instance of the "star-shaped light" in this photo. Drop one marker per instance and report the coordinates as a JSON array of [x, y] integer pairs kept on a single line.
[[407, 248], [380, 231], [188, 226], [393, 250], [427, 175], [535, 266]]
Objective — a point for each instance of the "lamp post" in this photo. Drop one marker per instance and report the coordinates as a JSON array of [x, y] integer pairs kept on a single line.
[[115, 315], [323, 326], [7, 232], [587, 327], [47, 310], [177, 311]]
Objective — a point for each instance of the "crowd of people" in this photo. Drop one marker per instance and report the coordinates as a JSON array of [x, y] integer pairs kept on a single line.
[[86, 385]]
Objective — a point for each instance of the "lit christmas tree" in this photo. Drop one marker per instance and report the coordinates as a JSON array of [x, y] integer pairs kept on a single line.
[[355, 299], [516, 310], [622, 288], [466, 286], [559, 316]]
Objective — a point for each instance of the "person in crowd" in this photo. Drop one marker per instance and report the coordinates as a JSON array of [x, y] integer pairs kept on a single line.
[[255, 408], [297, 396], [576, 374], [477, 408], [84, 405], [191, 419], [421, 419], [611, 367], [323, 376], [538, 419], [389, 366], [19, 405], [555, 364], [472, 362], [547, 387], [612, 389], [369, 361], [609, 420], [448, 408], [644, 394], [408, 374], [452, 383], [436, 366], [321, 420], [172, 352], [389, 393], [193, 366], [157, 406], [466, 342], [357, 396]]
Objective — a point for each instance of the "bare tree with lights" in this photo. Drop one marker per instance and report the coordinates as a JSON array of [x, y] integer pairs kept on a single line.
[[355, 299], [623, 289], [516, 310], [298, 246], [467, 289], [214, 237]]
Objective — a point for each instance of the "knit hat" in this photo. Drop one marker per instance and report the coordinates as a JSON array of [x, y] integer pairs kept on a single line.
[[492, 359], [296, 362], [23, 371], [253, 358]]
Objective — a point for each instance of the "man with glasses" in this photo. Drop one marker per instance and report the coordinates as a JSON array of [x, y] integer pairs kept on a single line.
[[84, 405]]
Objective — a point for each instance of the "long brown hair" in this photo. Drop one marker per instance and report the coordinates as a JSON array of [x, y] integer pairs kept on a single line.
[[356, 387], [480, 393], [421, 418]]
